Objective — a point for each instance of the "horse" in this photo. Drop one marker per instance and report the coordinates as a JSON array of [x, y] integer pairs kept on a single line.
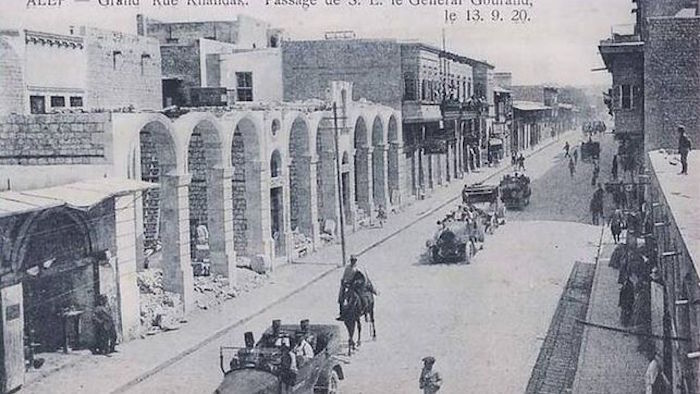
[[359, 301]]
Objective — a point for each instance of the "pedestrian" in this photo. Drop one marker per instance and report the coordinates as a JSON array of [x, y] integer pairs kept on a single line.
[[430, 380], [106, 333], [288, 367], [576, 156], [614, 167], [684, 148], [596, 205], [596, 173], [521, 162], [513, 157], [348, 276], [616, 225], [381, 215], [572, 167], [566, 149], [626, 302]]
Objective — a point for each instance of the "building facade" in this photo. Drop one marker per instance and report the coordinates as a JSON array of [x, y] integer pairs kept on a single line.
[[102, 70]]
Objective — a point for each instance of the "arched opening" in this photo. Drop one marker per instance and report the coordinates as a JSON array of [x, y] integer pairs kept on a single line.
[[246, 184], [379, 164], [277, 203], [58, 272], [393, 162], [300, 217], [156, 155], [326, 180], [362, 183], [203, 155]]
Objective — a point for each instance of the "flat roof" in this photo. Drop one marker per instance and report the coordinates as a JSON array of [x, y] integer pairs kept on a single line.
[[79, 195], [682, 193], [529, 106]]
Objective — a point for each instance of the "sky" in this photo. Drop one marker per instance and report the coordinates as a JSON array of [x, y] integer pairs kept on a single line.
[[557, 46]]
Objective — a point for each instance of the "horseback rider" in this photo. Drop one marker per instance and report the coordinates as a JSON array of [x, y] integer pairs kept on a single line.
[[346, 282]]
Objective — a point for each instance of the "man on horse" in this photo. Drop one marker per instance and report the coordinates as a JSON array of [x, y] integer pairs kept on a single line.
[[350, 275]]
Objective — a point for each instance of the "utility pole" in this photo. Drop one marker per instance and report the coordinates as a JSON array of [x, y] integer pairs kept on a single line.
[[340, 185]]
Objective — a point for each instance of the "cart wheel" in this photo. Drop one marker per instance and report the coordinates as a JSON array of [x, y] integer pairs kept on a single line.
[[333, 383]]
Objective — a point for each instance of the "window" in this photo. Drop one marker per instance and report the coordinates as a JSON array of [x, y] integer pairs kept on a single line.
[[144, 59], [244, 86], [76, 101], [37, 104], [58, 101], [628, 95], [409, 92], [424, 90]]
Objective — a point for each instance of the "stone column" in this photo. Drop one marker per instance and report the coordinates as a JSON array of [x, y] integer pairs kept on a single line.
[[258, 208], [364, 170], [138, 210], [175, 235], [380, 184], [220, 218], [449, 165], [126, 232], [313, 201]]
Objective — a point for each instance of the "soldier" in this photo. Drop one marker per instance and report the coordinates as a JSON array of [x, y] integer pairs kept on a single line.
[[430, 380], [683, 148], [345, 281]]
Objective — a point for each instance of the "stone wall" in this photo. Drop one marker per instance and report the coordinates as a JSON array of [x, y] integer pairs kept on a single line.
[[11, 80], [54, 139], [150, 172], [197, 165], [373, 67], [672, 81], [628, 71], [240, 222], [122, 70], [181, 62]]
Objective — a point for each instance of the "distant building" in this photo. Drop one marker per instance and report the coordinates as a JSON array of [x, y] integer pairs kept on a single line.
[[444, 125], [87, 69], [199, 67]]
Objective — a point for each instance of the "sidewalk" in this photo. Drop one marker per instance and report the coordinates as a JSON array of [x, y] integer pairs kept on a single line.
[[138, 359], [609, 361]]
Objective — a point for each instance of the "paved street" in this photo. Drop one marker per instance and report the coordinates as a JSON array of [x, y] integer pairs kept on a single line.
[[483, 322]]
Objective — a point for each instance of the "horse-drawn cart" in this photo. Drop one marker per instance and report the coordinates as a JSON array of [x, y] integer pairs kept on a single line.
[[590, 151], [260, 369], [515, 191]]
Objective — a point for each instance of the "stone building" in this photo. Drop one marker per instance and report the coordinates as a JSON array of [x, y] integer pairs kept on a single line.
[[444, 125], [192, 53], [656, 85], [99, 69], [260, 177]]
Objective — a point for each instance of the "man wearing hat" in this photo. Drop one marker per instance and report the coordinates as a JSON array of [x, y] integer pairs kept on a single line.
[[683, 148], [430, 380], [345, 281]]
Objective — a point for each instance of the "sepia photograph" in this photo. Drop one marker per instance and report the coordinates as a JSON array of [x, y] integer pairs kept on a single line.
[[350, 196]]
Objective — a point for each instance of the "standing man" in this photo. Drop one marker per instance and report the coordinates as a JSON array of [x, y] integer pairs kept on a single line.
[[597, 204], [345, 281], [684, 148], [575, 155], [626, 302], [521, 162], [104, 323], [614, 167], [566, 149], [430, 380], [572, 167], [596, 173]]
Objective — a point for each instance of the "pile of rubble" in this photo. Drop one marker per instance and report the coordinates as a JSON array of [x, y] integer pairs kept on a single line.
[[160, 310], [163, 311]]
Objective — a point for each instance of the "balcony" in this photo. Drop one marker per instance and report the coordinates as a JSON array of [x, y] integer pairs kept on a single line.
[[624, 41]]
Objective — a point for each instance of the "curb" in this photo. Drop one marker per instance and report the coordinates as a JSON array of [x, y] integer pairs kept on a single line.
[[589, 311], [224, 330]]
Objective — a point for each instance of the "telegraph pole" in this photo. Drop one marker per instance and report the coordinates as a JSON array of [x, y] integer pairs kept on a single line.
[[339, 181]]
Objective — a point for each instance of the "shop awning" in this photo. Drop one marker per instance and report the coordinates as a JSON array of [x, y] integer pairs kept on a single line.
[[79, 195], [495, 141]]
